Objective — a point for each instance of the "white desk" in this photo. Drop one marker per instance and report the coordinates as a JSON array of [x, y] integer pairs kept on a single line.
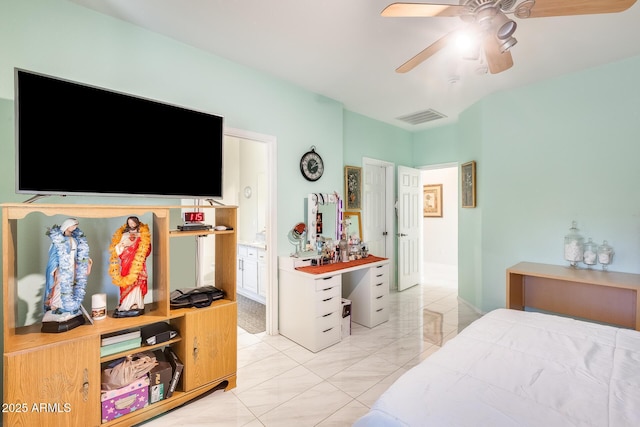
[[310, 300]]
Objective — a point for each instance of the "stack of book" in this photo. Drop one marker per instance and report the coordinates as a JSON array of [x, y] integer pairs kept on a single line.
[[120, 341]]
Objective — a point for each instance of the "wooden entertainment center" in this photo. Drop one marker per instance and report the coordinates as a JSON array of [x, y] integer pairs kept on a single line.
[[604, 296], [54, 379]]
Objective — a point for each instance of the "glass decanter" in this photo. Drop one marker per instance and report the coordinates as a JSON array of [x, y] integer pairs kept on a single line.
[[605, 255], [573, 246], [590, 254]]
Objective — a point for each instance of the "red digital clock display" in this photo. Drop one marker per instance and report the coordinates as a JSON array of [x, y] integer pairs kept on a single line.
[[193, 216]]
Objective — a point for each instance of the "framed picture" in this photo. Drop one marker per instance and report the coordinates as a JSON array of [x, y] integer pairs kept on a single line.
[[353, 187], [468, 183], [432, 200], [353, 224]]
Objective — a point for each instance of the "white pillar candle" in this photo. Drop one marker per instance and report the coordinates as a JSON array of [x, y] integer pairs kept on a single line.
[[98, 306]]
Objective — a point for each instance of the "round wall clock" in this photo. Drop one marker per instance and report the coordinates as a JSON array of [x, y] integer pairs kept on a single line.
[[311, 165]]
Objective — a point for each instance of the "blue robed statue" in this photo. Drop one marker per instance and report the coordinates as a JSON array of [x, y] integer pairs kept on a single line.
[[67, 270]]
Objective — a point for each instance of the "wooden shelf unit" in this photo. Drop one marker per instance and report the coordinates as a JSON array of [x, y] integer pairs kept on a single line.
[[577, 292], [62, 372]]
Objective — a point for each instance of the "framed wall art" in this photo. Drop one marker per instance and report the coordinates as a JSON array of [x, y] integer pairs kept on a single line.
[[353, 187], [432, 200], [468, 183]]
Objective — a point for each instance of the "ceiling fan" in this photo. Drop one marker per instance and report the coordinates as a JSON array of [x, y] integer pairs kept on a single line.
[[493, 29]]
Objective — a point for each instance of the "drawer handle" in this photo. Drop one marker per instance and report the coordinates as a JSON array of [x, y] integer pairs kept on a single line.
[[327, 278], [379, 284], [327, 315], [327, 330], [326, 289], [379, 310], [380, 297], [379, 275], [379, 266], [328, 299]]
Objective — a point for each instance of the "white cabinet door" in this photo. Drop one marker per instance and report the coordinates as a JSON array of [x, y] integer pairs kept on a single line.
[[250, 275], [249, 271], [242, 254]]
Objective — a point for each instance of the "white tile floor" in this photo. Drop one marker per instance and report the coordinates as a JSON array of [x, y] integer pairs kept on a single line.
[[280, 383]]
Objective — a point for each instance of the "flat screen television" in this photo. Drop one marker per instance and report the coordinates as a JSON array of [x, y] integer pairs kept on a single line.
[[77, 139]]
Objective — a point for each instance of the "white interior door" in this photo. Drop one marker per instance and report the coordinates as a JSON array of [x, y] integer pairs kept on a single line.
[[374, 218], [378, 217], [409, 226]]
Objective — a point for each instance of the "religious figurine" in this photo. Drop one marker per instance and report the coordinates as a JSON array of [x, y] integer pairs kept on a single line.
[[130, 247], [67, 270]]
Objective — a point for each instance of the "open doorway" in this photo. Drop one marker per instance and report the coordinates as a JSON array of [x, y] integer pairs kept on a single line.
[[249, 183], [440, 234]]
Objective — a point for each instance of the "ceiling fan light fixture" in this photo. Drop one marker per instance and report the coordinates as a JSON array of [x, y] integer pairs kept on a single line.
[[467, 44], [504, 26], [507, 44]]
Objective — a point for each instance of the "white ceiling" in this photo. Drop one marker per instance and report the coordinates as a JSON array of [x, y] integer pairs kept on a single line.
[[345, 50]]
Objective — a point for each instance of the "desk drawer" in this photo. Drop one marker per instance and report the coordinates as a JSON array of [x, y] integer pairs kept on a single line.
[[328, 282], [328, 301], [379, 315], [379, 302], [252, 252], [328, 321], [328, 329], [327, 337], [379, 288], [380, 273]]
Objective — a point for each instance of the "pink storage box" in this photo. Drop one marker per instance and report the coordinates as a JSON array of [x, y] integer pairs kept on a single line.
[[119, 402]]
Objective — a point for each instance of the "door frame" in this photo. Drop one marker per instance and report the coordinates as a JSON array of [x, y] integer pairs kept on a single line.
[[270, 221], [390, 219], [427, 168]]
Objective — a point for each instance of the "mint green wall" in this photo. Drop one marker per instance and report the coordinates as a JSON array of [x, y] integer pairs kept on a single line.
[[561, 150], [7, 152], [63, 39], [364, 137], [436, 146]]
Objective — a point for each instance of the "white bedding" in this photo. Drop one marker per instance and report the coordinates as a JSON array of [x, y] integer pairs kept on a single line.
[[517, 368]]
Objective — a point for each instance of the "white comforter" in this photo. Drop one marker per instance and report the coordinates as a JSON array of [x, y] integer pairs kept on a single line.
[[516, 368]]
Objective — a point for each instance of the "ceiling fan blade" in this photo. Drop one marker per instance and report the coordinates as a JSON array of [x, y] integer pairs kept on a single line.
[[497, 61], [423, 10], [545, 8], [425, 54]]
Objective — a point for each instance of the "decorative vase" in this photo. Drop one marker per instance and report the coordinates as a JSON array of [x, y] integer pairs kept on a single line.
[[605, 255], [590, 254], [573, 246]]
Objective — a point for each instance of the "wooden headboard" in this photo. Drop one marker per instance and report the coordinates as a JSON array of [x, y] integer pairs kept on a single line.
[[602, 296]]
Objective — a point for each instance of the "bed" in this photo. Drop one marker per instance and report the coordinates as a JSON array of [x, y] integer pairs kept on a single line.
[[520, 368]]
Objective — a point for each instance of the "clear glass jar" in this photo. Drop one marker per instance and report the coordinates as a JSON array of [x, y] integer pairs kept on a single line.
[[573, 246], [590, 254], [605, 255], [343, 247]]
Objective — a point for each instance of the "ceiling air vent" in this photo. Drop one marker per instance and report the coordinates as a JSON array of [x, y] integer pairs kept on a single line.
[[422, 117]]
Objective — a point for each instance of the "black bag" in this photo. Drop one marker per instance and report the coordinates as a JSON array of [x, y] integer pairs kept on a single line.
[[198, 297]]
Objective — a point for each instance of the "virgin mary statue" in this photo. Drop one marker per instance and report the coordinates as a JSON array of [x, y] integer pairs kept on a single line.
[[67, 270]]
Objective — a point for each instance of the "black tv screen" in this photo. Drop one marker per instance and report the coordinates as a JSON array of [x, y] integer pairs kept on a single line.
[[76, 139]]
